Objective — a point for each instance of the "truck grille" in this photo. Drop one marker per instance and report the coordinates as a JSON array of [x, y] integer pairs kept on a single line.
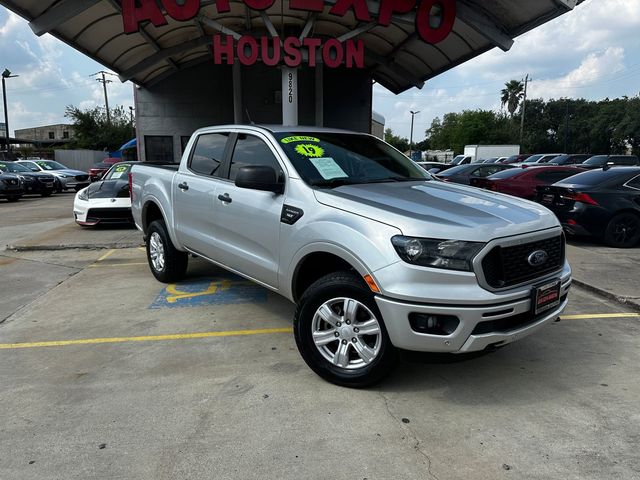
[[508, 266]]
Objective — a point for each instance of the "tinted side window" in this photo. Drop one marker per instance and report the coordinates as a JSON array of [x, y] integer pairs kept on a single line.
[[635, 182], [251, 150], [486, 171], [553, 177], [625, 160], [208, 154]]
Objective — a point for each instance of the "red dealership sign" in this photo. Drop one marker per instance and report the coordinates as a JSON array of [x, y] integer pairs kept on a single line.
[[273, 51]]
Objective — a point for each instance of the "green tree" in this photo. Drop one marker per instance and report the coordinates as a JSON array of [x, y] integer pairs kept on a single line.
[[400, 143], [94, 131], [512, 95]]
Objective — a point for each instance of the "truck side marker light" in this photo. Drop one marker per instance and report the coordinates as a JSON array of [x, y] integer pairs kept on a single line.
[[372, 283]]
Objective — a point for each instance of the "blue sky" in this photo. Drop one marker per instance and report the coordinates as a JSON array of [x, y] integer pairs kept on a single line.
[[592, 52]]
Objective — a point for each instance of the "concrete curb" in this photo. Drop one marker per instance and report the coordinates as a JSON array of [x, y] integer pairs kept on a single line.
[[627, 302], [81, 246]]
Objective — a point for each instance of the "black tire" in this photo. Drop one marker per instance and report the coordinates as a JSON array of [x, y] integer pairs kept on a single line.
[[336, 287], [14, 199], [623, 231], [174, 266], [57, 186], [47, 193]]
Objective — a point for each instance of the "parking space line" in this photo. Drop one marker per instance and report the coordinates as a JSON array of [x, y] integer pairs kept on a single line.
[[593, 316], [147, 338], [230, 333], [97, 265], [106, 255]]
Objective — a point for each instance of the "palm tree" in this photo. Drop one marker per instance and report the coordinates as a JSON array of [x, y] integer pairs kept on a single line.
[[511, 95]]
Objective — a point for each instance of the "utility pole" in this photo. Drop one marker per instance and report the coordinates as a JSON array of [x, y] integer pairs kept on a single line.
[[566, 129], [524, 106], [413, 114], [6, 74], [104, 82]]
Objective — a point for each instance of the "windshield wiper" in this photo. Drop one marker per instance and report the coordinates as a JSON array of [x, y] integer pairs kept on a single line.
[[333, 183]]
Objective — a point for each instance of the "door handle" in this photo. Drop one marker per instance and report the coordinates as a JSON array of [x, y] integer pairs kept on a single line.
[[225, 198], [183, 186]]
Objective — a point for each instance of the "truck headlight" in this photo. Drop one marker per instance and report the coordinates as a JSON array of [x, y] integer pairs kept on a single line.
[[83, 194], [429, 252]]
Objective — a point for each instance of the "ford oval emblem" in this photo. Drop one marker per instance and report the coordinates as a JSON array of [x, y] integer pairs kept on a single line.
[[537, 258]]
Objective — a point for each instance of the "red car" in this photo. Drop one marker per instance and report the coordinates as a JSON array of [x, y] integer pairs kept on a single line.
[[522, 182], [99, 169]]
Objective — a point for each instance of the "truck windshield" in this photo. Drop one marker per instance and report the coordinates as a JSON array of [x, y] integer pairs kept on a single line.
[[333, 159]]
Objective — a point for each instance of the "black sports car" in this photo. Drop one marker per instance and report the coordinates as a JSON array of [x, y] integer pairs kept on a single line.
[[33, 182], [599, 203]]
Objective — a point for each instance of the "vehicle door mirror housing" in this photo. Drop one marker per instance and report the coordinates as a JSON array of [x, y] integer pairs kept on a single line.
[[259, 177]]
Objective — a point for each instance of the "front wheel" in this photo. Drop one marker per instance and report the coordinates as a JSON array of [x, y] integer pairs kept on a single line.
[[340, 333], [14, 199], [623, 231], [167, 263]]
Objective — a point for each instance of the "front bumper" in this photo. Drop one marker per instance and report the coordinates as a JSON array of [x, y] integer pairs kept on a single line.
[[67, 183], [481, 326], [102, 211]]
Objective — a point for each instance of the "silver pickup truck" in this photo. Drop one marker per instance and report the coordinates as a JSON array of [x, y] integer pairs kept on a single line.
[[377, 254]]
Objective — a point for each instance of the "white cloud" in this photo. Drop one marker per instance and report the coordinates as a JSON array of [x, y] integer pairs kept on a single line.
[[593, 68]]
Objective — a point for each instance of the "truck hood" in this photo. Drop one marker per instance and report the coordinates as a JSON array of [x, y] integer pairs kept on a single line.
[[436, 209]]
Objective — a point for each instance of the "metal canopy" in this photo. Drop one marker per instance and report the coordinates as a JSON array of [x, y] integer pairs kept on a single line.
[[396, 57]]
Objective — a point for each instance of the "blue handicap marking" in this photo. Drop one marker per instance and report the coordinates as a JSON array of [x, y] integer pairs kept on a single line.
[[220, 290]]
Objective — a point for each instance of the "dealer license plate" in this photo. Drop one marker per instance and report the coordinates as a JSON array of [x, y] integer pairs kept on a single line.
[[547, 198], [546, 297]]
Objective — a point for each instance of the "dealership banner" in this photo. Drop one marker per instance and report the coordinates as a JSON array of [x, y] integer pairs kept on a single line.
[[291, 51]]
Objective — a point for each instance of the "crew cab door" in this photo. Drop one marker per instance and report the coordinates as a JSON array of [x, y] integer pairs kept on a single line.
[[248, 221], [195, 192]]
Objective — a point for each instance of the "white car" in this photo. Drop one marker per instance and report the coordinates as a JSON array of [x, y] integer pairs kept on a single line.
[[106, 201]]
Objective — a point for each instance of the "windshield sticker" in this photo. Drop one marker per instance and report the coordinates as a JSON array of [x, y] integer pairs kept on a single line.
[[300, 139], [328, 168], [309, 150], [121, 168]]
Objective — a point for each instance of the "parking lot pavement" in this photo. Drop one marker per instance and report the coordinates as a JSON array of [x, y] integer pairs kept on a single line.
[[612, 272], [136, 379]]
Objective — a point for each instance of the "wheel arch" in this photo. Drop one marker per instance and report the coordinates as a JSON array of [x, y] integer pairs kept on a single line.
[[317, 262]]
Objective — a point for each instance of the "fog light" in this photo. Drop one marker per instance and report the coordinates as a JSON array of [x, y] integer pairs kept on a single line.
[[433, 324]]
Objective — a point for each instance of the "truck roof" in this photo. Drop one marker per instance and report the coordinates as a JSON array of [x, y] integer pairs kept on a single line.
[[286, 128]]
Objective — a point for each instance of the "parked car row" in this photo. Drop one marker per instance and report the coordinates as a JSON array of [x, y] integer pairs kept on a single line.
[[603, 203], [39, 177]]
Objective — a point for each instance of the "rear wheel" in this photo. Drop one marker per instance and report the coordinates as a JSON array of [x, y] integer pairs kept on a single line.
[[340, 333], [166, 262], [623, 231]]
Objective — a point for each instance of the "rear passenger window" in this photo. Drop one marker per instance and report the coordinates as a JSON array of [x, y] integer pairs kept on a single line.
[[208, 154], [553, 177], [251, 150], [634, 182]]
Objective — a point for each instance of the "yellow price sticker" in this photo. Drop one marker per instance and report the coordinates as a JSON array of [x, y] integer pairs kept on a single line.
[[309, 150], [299, 139]]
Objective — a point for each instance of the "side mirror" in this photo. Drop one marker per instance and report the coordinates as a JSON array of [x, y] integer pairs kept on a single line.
[[259, 177]]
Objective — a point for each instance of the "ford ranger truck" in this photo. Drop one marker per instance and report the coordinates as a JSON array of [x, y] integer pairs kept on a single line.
[[377, 254]]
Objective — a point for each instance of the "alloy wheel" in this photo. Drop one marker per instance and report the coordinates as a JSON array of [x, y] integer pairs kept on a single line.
[[346, 333]]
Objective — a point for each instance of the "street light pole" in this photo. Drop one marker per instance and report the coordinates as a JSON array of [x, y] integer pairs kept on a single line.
[[6, 74], [413, 114]]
